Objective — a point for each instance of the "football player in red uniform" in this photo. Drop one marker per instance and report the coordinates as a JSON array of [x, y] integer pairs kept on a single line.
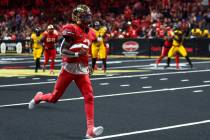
[[77, 39], [50, 37]]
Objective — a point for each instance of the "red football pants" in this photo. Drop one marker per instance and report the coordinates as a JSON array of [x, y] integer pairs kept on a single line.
[[83, 83], [164, 53], [50, 54]]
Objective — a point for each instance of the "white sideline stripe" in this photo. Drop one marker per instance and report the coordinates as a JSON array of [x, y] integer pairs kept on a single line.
[[114, 77], [152, 130], [206, 81], [119, 94]]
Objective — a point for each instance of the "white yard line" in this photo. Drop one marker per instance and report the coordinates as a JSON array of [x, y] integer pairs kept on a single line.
[[125, 85], [115, 77], [196, 91], [185, 80], [36, 78], [147, 87], [152, 130], [123, 94], [104, 84], [163, 79]]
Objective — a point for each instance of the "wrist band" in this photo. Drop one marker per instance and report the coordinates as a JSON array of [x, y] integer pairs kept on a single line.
[[77, 54]]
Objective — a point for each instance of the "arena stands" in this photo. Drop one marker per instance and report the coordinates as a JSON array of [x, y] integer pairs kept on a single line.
[[133, 19]]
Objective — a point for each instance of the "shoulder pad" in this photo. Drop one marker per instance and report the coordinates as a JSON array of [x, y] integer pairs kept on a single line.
[[68, 30]]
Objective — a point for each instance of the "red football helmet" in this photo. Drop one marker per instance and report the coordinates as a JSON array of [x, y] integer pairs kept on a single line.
[[50, 28]]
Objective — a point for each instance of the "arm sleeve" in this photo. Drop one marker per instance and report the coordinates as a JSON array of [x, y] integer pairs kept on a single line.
[[68, 35], [103, 31], [68, 32], [64, 49]]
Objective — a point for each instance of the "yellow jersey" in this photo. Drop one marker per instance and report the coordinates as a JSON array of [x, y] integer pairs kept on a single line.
[[100, 34], [178, 38], [196, 32], [36, 40], [205, 33]]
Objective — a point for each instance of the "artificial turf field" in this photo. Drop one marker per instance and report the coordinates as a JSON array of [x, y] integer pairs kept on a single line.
[[133, 101]]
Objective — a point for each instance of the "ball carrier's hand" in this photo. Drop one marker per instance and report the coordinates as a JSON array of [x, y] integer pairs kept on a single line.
[[82, 52]]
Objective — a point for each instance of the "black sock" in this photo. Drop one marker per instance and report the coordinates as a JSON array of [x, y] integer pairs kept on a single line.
[[188, 60], [93, 63], [168, 62], [38, 63]]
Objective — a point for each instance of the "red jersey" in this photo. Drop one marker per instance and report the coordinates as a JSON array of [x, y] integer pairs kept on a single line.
[[168, 38], [50, 39], [132, 32], [160, 32], [78, 39]]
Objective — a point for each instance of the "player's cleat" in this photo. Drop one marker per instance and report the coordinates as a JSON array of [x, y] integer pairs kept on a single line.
[[179, 68], [95, 132], [191, 66], [165, 67], [36, 100]]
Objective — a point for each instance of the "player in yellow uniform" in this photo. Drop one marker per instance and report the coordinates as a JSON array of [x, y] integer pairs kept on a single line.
[[196, 32], [36, 38], [98, 48], [177, 47], [205, 33]]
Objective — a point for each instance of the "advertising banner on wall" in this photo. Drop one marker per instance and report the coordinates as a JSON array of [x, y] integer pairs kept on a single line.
[[153, 47]]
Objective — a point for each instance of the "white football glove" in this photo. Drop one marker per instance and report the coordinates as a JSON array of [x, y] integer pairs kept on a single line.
[[99, 39]]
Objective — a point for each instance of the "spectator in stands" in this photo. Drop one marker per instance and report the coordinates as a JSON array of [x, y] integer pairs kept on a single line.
[[196, 31], [21, 15]]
